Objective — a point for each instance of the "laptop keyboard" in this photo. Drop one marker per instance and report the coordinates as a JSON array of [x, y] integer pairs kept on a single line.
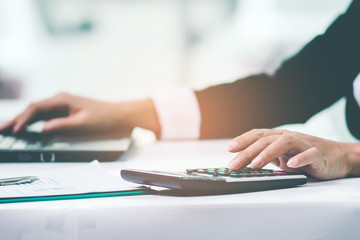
[[14, 143]]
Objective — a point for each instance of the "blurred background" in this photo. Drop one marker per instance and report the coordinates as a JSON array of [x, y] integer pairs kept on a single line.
[[124, 49]]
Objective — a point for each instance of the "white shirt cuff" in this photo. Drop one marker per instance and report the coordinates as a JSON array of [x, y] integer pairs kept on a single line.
[[179, 113]]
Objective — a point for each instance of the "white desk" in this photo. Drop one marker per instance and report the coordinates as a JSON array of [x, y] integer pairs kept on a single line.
[[321, 210]]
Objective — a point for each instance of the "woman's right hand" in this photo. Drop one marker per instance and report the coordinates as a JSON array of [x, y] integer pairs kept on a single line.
[[69, 114]]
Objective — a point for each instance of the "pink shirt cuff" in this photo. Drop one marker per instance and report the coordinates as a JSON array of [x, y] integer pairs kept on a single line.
[[179, 113], [356, 89]]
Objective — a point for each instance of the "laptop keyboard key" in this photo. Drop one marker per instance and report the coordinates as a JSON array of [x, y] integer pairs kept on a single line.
[[18, 145], [7, 143]]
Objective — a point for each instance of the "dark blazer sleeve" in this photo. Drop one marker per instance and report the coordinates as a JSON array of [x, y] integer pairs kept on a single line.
[[313, 79]]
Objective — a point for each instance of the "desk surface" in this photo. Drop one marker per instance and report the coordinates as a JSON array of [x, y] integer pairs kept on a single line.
[[317, 210]]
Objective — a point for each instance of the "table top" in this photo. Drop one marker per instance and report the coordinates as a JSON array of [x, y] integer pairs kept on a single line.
[[317, 210]]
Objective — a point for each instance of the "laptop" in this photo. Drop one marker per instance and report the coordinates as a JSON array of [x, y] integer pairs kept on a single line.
[[38, 147]]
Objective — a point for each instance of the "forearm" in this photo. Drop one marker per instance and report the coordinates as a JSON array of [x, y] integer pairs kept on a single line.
[[140, 113], [258, 101]]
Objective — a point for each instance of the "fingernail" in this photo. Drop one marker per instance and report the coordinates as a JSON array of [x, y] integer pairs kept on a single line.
[[46, 127], [257, 162], [16, 128], [293, 163], [233, 164], [232, 145]]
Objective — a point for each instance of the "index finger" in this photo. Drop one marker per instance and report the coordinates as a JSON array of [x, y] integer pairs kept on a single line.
[[285, 144], [243, 141], [6, 126], [33, 110]]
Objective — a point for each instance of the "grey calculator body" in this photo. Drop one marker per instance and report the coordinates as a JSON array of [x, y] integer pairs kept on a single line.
[[204, 182]]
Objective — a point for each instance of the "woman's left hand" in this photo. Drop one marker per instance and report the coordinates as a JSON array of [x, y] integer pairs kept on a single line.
[[293, 152]]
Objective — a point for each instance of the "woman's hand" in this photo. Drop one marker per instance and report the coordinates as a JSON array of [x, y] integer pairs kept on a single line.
[[295, 152], [66, 113]]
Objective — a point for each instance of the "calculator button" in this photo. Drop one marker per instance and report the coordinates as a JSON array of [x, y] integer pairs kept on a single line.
[[189, 171], [280, 173], [236, 174], [245, 170], [211, 171], [223, 173], [224, 169], [267, 174], [202, 170]]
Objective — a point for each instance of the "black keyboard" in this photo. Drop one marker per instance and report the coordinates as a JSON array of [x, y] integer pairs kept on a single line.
[[19, 143]]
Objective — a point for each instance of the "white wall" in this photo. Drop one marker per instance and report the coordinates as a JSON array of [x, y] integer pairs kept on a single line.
[[132, 42], [138, 46], [260, 36]]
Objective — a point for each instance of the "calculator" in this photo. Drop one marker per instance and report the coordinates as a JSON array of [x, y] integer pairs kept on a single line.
[[216, 180]]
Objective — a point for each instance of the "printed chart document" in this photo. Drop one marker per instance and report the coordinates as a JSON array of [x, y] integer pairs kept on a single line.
[[70, 183]]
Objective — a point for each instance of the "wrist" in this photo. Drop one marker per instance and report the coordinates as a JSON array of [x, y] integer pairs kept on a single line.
[[354, 159], [140, 113]]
